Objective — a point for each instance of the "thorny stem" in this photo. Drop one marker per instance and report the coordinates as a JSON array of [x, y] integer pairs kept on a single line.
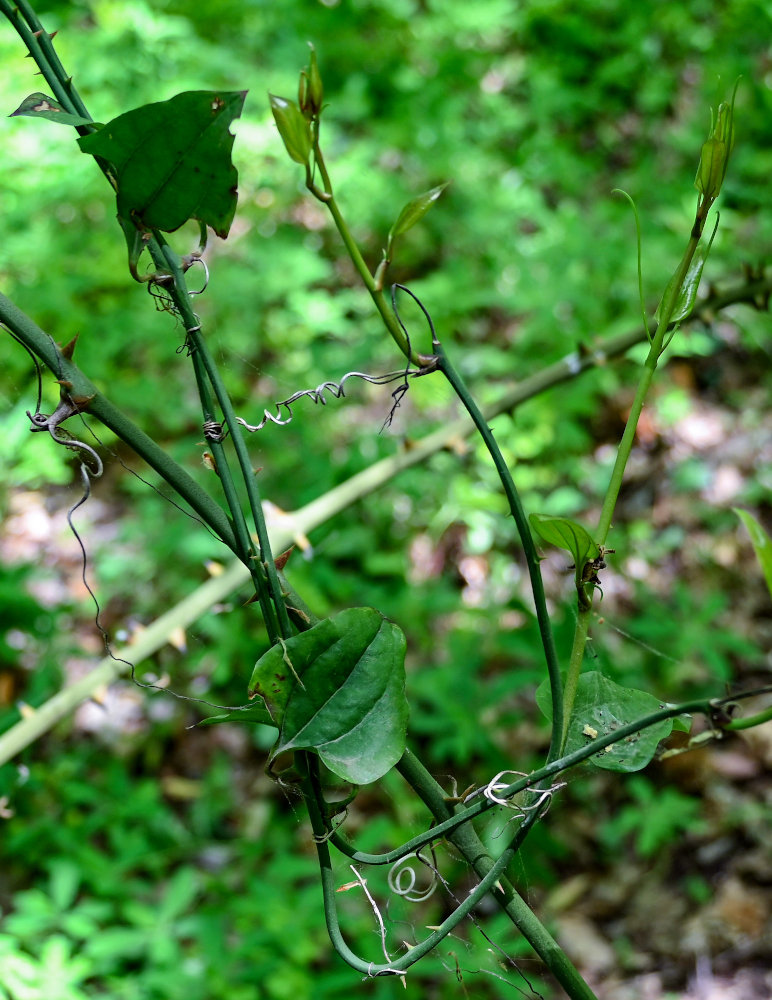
[[202, 356], [184, 485], [39, 45]]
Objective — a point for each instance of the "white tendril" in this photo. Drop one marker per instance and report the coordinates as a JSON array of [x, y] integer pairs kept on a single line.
[[402, 880]]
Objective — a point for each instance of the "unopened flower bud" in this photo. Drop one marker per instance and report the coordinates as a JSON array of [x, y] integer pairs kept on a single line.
[[293, 128], [311, 89], [714, 157]]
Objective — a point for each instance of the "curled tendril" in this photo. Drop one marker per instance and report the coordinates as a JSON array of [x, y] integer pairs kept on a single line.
[[214, 430], [402, 879], [337, 391], [421, 306], [498, 784], [199, 260]]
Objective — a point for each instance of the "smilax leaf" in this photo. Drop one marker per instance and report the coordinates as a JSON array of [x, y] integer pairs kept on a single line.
[[565, 534], [339, 690], [42, 106], [600, 708], [172, 161]]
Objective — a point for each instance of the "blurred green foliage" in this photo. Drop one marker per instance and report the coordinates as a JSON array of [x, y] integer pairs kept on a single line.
[[111, 885]]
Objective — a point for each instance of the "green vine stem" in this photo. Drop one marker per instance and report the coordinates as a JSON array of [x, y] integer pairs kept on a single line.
[[531, 556], [327, 197], [749, 722], [656, 349], [714, 710], [265, 571], [466, 840]]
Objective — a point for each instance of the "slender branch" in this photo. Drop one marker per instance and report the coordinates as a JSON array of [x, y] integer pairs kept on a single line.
[[390, 321], [147, 642], [526, 539]]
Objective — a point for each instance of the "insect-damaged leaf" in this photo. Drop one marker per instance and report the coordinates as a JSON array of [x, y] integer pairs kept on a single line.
[[42, 106], [172, 160], [601, 707], [339, 690]]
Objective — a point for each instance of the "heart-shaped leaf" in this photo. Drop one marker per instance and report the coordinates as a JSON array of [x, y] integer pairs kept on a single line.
[[565, 534], [172, 161], [600, 708], [339, 690], [42, 106]]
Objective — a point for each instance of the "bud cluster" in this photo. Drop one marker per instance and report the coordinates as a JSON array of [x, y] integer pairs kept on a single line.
[[296, 122]]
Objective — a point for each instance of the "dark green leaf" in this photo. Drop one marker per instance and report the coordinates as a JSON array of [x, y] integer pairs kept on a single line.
[[42, 106], [276, 672], [172, 160], [762, 543], [565, 534], [293, 128], [339, 690]]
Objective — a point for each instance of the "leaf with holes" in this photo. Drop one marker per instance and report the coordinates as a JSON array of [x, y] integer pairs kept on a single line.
[[42, 106], [600, 708], [171, 161], [339, 690]]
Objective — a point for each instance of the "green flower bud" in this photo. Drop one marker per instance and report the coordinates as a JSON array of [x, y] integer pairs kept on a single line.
[[293, 128], [714, 157], [311, 89]]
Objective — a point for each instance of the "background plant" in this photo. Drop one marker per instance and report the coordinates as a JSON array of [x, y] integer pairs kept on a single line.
[[348, 553]]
